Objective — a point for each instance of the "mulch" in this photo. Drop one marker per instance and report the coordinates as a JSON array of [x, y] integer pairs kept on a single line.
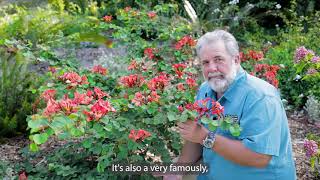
[[298, 123]]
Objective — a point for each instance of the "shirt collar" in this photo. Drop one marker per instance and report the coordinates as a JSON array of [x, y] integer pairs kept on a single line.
[[228, 95]]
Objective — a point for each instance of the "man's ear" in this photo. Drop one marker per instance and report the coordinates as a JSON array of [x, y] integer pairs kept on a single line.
[[237, 59]]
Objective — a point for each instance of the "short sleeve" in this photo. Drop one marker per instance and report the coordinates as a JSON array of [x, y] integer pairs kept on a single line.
[[261, 126]]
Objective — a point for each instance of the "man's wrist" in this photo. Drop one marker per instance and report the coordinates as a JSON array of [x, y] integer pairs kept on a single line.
[[204, 135]]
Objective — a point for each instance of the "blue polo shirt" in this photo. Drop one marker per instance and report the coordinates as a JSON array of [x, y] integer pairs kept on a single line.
[[257, 107]]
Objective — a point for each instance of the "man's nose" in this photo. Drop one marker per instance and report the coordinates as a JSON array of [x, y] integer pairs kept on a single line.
[[212, 67]]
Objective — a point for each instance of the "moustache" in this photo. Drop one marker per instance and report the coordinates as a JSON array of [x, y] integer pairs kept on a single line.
[[216, 75]]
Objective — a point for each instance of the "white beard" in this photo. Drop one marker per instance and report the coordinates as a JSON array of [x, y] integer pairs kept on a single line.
[[221, 85]]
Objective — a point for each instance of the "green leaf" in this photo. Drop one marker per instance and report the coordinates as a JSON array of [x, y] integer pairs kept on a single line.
[[205, 120], [235, 130], [213, 125], [33, 147], [76, 132], [40, 138], [171, 116], [87, 143]]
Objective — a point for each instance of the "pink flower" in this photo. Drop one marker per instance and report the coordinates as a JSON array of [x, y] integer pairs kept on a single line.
[[180, 87], [311, 71], [73, 79], [179, 69], [149, 52], [311, 148], [186, 40], [301, 53], [180, 108], [315, 59], [133, 65]]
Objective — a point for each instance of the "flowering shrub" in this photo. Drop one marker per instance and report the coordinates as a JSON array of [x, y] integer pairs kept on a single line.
[[131, 116], [307, 64], [252, 62]]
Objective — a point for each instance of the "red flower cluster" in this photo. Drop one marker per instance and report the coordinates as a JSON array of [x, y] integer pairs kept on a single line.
[[191, 82], [107, 18], [269, 72], [201, 106], [68, 106], [100, 70], [180, 87], [73, 79], [152, 15], [139, 99], [183, 41], [83, 98], [140, 134], [251, 55], [179, 69], [149, 52], [132, 80], [158, 82], [98, 110]]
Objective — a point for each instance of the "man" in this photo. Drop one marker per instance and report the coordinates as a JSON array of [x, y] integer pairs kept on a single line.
[[263, 150]]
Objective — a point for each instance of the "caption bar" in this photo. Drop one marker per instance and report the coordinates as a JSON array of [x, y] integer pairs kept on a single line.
[[159, 169]]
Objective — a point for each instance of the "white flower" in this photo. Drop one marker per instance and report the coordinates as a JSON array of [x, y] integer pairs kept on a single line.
[[301, 96], [250, 5], [236, 18], [234, 2], [216, 10], [297, 77], [282, 65], [277, 25], [278, 6]]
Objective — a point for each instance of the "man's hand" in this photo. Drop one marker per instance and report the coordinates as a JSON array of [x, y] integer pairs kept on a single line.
[[192, 131]]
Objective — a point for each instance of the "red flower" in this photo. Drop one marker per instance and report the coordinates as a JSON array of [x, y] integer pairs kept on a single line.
[[52, 108], [158, 82], [99, 93], [48, 94], [73, 79], [180, 108], [191, 82], [153, 97], [140, 135], [186, 40], [179, 69], [107, 18], [180, 87], [68, 106], [217, 108], [149, 52], [256, 55], [23, 176], [133, 65], [127, 9], [152, 14], [99, 69], [132, 80], [98, 110], [138, 99], [82, 98]]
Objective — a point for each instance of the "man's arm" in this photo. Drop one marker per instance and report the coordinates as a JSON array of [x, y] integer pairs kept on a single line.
[[232, 150], [236, 152]]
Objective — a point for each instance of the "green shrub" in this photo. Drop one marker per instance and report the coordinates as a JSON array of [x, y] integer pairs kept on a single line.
[[16, 97]]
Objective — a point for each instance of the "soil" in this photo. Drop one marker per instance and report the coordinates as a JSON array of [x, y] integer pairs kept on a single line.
[[298, 123]]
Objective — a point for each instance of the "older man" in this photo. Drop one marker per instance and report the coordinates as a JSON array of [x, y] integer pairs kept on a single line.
[[263, 150]]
